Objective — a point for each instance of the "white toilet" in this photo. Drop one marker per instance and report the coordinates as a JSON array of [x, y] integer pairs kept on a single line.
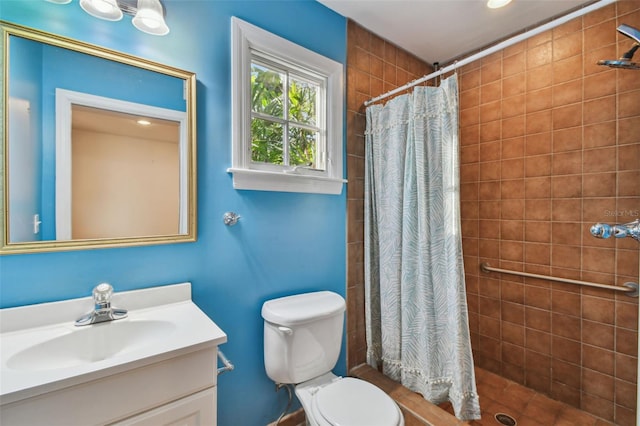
[[302, 339]]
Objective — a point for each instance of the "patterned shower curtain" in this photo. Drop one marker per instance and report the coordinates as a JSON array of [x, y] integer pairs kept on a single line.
[[416, 310]]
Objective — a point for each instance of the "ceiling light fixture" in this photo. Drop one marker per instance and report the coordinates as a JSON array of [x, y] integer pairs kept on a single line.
[[143, 122], [102, 9], [148, 15], [495, 4]]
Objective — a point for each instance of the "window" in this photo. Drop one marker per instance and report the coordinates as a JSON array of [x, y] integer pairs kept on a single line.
[[287, 115], [287, 127]]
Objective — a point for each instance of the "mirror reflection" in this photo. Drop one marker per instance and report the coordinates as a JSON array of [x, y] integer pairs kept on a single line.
[[112, 198], [99, 147]]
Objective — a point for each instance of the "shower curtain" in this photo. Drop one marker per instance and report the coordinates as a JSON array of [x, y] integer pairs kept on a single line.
[[416, 311]]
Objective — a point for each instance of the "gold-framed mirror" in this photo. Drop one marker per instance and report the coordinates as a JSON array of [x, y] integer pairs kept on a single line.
[[98, 146]]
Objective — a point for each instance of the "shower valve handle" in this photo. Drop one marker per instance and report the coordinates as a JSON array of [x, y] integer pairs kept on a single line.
[[603, 230]]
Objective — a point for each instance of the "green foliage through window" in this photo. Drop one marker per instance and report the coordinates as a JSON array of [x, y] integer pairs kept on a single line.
[[284, 129]]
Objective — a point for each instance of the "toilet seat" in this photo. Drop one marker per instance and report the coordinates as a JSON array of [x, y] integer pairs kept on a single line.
[[354, 402]]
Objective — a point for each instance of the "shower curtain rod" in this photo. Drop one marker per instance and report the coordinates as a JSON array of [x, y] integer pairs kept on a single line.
[[488, 51]]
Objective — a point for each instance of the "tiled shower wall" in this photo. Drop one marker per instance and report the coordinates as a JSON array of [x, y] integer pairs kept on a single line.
[[550, 144], [374, 66]]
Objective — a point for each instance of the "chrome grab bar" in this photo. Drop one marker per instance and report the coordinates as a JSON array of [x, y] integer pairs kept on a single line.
[[228, 366], [629, 288]]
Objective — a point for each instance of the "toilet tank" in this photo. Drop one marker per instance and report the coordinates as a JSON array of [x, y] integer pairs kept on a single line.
[[302, 335]]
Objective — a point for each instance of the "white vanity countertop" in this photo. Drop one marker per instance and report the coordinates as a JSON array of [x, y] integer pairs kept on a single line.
[[185, 329]]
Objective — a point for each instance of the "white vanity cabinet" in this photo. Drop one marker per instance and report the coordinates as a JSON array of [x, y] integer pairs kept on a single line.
[[157, 394], [195, 409], [171, 381]]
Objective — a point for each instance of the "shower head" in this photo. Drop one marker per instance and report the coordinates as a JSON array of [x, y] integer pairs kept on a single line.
[[620, 63], [630, 32], [625, 61]]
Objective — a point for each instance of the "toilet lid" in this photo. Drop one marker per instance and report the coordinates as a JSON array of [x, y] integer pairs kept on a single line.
[[354, 402]]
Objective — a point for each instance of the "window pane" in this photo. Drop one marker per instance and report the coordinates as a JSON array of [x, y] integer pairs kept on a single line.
[[267, 88], [302, 101], [302, 147], [266, 141]]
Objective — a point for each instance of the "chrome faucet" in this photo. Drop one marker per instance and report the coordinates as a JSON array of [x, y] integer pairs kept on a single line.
[[102, 307], [603, 230]]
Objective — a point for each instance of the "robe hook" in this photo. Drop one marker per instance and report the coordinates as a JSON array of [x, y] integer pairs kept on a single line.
[[230, 218]]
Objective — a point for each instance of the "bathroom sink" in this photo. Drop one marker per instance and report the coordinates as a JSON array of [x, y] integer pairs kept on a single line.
[[81, 345], [42, 350]]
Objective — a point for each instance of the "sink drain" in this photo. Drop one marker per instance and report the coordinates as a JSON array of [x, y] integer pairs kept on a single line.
[[505, 419]]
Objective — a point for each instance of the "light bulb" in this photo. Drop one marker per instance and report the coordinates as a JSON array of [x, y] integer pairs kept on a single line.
[[495, 4], [103, 9], [149, 18]]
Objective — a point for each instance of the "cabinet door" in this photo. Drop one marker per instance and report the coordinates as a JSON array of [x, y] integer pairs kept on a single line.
[[198, 409]]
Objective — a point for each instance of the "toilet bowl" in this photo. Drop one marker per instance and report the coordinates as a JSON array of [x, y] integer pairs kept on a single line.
[[330, 400], [302, 340]]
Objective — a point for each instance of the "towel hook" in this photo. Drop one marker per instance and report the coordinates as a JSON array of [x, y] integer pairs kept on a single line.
[[230, 218]]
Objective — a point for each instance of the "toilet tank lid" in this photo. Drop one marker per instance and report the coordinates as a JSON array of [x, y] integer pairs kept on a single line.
[[302, 308]]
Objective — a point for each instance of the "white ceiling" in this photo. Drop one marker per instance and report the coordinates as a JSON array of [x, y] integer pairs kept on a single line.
[[120, 123], [442, 30]]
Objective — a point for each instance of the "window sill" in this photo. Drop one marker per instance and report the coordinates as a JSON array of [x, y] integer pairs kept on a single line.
[[261, 180]]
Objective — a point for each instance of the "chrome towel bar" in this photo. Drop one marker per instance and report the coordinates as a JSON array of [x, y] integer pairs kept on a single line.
[[225, 361], [629, 288]]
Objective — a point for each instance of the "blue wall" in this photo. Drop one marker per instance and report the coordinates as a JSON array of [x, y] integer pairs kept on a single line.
[[285, 243], [27, 151]]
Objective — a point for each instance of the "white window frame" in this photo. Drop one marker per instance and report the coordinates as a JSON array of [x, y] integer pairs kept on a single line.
[[245, 39]]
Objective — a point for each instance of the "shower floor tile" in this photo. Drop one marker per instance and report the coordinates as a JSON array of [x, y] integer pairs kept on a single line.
[[497, 395], [526, 406]]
